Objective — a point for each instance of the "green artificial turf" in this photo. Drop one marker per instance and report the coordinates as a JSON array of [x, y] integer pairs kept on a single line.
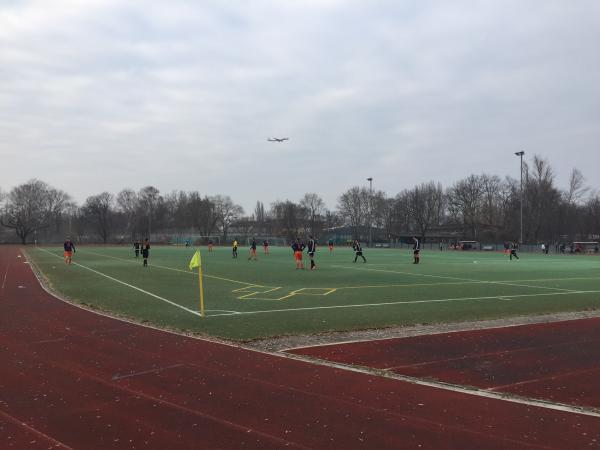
[[251, 299]]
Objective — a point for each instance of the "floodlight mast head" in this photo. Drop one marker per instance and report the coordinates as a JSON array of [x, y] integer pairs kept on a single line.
[[521, 153]]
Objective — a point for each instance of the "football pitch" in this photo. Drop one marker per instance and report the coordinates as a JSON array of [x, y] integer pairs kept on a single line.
[[253, 299]]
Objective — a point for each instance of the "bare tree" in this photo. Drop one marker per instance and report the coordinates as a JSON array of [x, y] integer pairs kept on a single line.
[[465, 200], [314, 207], [541, 200], [98, 210], [577, 188], [260, 216], [287, 215], [31, 207], [353, 206], [426, 203], [227, 212], [149, 199], [127, 201]]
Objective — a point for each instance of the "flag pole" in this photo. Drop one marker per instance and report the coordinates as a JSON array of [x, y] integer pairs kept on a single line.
[[201, 291]]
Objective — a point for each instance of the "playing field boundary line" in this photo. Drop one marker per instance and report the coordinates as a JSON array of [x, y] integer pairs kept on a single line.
[[191, 311], [469, 280], [442, 300], [477, 392]]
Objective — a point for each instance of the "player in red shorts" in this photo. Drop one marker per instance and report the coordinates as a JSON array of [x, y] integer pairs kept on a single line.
[[298, 248], [69, 250], [266, 246], [330, 243]]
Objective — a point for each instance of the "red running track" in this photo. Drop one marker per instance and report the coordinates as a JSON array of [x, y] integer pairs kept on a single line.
[[70, 378], [556, 362]]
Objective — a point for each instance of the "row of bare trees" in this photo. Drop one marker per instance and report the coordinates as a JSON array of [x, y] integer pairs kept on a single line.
[[479, 207]]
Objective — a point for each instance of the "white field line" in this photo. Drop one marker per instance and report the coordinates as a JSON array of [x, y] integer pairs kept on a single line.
[[462, 280], [162, 299], [448, 283], [441, 300], [176, 270], [476, 392], [437, 385], [335, 306], [469, 280]]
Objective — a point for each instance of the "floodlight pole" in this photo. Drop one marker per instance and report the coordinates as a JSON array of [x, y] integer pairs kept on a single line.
[[370, 180], [520, 154]]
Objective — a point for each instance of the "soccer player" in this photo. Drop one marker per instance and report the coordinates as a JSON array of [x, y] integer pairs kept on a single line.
[[312, 248], [69, 250], [210, 246], [330, 244], [298, 248], [146, 251], [253, 251], [358, 251], [234, 247], [513, 251], [266, 246], [136, 248], [416, 250]]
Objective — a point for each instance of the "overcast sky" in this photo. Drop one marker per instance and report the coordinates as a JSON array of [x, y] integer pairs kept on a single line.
[[99, 95]]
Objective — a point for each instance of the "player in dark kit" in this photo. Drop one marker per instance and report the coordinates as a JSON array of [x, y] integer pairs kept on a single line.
[[513, 251], [266, 247], [136, 248], [253, 251], [145, 251], [298, 248], [69, 250], [358, 251], [416, 250], [312, 248], [330, 243]]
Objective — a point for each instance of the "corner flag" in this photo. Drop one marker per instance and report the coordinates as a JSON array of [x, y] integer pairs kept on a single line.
[[196, 261]]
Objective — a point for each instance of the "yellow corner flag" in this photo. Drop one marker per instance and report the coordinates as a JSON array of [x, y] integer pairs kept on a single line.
[[196, 261]]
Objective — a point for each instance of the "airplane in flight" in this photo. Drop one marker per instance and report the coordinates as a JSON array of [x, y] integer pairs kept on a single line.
[[278, 139]]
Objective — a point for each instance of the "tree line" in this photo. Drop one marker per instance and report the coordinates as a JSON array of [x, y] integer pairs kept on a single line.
[[483, 208]]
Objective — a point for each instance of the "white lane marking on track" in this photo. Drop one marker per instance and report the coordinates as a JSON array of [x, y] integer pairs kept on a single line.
[[35, 431], [448, 387], [118, 376], [451, 387], [5, 275]]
